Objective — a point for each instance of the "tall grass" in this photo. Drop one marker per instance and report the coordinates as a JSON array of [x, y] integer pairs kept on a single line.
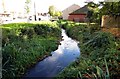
[[99, 57]]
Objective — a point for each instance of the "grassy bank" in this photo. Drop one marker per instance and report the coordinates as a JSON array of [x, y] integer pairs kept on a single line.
[[23, 44], [100, 53]]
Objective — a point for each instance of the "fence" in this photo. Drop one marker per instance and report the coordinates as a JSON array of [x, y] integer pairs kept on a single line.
[[111, 24]]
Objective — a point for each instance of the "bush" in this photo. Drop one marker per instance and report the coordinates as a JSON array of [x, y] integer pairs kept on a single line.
[[99, 57]]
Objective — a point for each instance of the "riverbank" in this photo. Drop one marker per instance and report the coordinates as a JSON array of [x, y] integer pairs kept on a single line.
[[100, 53], [23, 44], [67, 52]]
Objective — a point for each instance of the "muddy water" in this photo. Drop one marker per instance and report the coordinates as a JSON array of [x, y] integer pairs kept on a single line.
[[67, 52]]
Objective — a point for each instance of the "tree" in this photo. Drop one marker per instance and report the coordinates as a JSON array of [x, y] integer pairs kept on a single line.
[[54, 12], [27, 6], [110, 8], [58, 13], [93, 14]]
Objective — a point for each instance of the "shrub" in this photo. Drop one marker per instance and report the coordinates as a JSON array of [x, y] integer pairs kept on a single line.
[[99, 57]]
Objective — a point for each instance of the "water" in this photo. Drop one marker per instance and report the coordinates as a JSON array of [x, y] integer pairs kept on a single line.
[[66, 53]]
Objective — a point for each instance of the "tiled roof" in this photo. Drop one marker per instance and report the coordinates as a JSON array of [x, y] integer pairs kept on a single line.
[[69, 10], [82, 10]]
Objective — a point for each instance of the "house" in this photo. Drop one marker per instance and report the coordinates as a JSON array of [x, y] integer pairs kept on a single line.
[[5, 17], [43, 16], [79, 15], [70, 9]]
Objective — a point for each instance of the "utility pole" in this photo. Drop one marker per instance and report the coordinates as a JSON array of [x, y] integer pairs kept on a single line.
[[35, 11], [3, 6]]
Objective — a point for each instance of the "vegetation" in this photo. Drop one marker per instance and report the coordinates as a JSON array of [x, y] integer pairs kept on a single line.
[[110, 8], [54, 12], [100, 53], [102, 8], [23, 44], [27, 6], [94, 14]]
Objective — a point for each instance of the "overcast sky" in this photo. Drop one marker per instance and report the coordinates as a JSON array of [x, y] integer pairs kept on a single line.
[[41, 5]]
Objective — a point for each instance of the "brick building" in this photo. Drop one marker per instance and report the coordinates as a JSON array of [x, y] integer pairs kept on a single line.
[[79, 15]]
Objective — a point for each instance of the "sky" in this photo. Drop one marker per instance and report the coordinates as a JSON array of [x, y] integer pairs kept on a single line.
[[41, 5]]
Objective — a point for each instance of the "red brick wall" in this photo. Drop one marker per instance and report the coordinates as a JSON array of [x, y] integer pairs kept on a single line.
[[77, 17]]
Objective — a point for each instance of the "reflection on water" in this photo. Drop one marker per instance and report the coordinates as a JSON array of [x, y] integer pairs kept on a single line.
[[66, 53]]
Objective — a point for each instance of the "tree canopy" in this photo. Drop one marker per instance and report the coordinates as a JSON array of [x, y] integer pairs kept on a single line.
[[54, 12], [110, 8], [107, 8], [27, 7], [93, 13]]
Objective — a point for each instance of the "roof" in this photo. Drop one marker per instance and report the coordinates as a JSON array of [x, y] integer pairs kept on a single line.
[[82, 10], [71, 8]]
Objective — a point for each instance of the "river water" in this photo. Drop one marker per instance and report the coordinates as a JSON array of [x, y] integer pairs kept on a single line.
[[67, 52]]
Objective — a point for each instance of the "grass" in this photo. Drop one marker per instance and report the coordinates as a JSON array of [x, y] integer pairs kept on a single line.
[[100, 54], [24, 44]]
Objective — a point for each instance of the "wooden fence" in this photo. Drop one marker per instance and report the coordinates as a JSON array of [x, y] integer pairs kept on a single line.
[[111, 24]]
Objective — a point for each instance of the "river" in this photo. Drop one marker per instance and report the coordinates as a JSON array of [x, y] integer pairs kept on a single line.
[[67, 52]]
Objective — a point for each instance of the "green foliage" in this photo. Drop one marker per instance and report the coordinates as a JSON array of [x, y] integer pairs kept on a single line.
[[101, 39], [99, 57], [110, 8], [27, 6], [94, 12], [58, 13], [53, 12], [23, 44]]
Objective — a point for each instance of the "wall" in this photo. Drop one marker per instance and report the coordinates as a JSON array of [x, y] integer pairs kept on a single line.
[[111, 24], [108, 21], [77, 17]]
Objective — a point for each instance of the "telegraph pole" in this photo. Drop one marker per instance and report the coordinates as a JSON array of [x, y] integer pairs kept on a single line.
[[3, 5], [35, 11]]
